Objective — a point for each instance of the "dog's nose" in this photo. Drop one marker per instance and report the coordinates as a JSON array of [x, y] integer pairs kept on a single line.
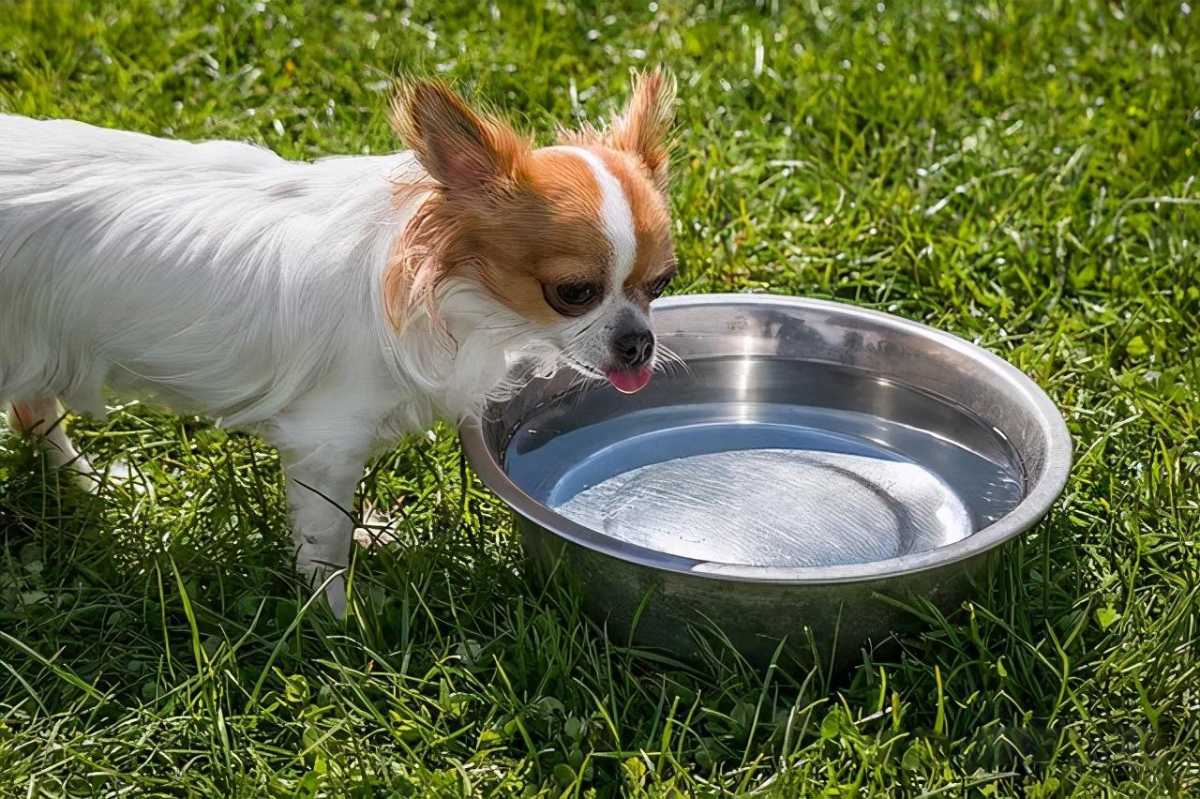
[[633, 349]]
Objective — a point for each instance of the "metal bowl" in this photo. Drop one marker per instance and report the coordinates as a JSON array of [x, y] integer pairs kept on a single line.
[[807, 462]]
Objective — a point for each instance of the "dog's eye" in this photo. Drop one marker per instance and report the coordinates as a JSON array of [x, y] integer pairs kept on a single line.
[[572, 299], [656, 288]]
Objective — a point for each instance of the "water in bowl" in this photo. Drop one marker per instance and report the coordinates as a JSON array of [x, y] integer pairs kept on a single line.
[[817, 466]]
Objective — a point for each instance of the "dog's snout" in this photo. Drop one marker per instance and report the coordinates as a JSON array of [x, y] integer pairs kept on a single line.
[[634, 348]]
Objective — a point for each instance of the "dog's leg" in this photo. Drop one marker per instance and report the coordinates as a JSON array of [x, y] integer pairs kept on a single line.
[[320, 488], [42, 419]]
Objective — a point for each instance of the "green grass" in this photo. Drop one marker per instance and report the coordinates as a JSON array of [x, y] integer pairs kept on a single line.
[[1020, 174]]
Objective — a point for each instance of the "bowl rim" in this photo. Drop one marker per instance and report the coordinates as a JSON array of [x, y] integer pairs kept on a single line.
[[1044, 488]]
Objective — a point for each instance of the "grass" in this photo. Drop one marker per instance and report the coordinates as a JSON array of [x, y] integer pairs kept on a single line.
[[1022, 174]]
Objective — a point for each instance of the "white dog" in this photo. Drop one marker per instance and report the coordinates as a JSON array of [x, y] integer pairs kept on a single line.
[[330, 306]]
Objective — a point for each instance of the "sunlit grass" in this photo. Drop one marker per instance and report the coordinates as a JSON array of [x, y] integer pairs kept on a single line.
[[1022, 175]]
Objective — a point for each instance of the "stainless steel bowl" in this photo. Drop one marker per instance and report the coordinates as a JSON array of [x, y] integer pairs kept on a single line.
[[807, 462]]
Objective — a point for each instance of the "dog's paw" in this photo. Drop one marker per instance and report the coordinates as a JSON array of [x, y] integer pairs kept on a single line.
[[80, 472], [122, 474], [118, 474], [375, 530]]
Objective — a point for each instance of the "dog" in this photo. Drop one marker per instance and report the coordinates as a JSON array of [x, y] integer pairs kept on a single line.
[[329, 306]]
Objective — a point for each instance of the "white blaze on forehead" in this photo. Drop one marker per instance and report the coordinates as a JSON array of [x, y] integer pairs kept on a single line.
[[615, 215]]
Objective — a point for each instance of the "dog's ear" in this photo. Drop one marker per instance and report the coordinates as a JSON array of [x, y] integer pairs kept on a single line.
[[644, 127], [460, 148]]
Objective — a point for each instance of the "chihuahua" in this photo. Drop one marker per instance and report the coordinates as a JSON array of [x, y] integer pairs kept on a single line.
[[330, 306]]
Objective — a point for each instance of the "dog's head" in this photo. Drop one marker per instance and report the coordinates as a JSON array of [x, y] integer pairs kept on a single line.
[[569, 242]]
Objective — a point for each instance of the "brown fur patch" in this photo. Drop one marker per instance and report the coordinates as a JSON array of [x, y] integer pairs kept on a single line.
[[459, 147], [543, 227], [550, 233], [516, 219]]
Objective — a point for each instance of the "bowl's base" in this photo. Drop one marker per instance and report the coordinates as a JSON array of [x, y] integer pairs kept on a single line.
[[692, 618]]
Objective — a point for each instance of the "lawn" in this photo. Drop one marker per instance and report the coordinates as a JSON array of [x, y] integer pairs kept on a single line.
[[1023, 175]]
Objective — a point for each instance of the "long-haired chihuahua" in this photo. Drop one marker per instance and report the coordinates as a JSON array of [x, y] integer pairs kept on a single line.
[[330, 306]]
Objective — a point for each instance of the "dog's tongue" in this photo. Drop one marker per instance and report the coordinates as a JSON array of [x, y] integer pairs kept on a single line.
[[629, 381]]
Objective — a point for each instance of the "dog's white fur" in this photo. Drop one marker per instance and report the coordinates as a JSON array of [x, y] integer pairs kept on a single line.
[[225, 280]]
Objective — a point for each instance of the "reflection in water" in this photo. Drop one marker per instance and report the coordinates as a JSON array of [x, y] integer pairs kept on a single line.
[[758, 478], [778, 507]]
